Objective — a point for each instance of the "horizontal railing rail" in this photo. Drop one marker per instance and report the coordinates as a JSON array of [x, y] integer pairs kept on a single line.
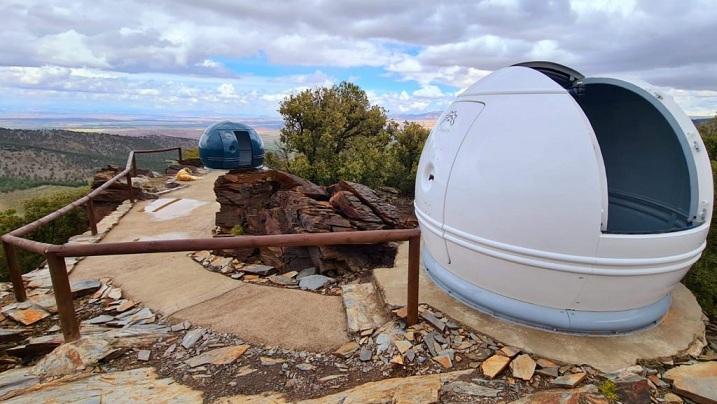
[[55, 254]]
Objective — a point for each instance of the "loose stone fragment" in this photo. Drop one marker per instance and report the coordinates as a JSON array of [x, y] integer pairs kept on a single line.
[[192, 336], [433, 320], [305, 366], [314, 282], [245, 370], [523, 367], [397, 359], [143, 355], [402, 346], [115, 293], [83, 288], [586, 394], [569, 379], [26, 313], [470, 389], [282, 280], [259, 269], [550, 372], [546, 363], [671, 398], [12, 334], [101, 319], [330, 377], [266, 361], [347, 349], [219, 356], [366, 353], [124, 306], [444, 360], [306, 272], [492, 366], [383, 342], [659, 383], [510, 351]]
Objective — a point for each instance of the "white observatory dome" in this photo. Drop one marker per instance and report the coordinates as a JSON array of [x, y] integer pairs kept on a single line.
[[565, 202]]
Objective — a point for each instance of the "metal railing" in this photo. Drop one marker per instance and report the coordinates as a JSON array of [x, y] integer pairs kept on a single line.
[[55, 254]]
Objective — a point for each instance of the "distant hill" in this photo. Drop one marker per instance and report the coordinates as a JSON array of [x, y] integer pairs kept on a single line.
[[35, 157]]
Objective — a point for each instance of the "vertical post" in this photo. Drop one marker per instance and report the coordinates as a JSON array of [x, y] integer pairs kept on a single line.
[[129, 187], [134, 164], [414, 256], [13, 267], [179, 149], [63, 297], [91, 216]]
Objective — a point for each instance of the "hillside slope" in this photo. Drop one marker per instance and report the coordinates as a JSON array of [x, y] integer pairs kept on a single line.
[[34, 157]]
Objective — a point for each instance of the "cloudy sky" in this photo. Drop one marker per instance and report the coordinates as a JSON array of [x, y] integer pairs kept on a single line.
[[232, 57]]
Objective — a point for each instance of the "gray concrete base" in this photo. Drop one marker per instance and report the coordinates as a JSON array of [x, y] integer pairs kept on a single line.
[[681, 330]]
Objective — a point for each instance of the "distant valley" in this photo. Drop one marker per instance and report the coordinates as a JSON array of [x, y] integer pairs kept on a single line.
[[31, 158]]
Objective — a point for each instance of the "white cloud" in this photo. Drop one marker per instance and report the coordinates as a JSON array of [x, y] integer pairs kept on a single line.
[[429, 91], [69, 48], [104, 48]]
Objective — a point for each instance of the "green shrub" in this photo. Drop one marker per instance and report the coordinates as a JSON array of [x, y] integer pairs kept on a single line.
[[190, 153], [608, 388], [237, 230], [333, 134], [702, 278], [56, 232]]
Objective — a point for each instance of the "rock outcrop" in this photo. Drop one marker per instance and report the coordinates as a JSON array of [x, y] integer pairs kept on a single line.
[[115, 193], [275, 202]]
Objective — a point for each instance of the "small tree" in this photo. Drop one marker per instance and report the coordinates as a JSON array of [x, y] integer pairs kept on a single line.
[[322, 125], [335, 133]]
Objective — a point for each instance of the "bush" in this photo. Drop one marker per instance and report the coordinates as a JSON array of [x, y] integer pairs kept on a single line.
[[189, 153], [702, 278], [333, 134], [56, 232]]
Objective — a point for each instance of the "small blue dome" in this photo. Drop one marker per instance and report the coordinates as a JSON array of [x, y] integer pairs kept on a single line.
[[231, 145]]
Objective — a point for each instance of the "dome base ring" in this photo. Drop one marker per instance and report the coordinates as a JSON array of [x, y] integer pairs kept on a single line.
[[559, 320]]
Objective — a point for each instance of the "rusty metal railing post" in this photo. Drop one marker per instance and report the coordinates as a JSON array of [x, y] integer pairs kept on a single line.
[[91, 216], [179, 149], [414, 257], [129, 187], [134, 165], [63, 297], [13, 268]]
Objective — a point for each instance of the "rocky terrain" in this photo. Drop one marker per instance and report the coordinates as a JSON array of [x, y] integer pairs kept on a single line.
[[275, 202], [130, 352]]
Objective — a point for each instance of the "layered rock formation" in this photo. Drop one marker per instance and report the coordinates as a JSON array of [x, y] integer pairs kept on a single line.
[[275, 202]]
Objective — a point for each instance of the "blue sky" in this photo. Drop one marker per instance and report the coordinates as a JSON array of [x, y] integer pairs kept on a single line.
[[238, 58]]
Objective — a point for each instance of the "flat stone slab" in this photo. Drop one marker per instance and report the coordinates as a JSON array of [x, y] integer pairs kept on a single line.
[[423, 389], [363, 307], [698, 382], [680, 330], [135, 386], [289, 318]]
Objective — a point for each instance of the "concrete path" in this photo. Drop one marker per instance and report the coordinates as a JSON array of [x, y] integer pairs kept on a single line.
[[176, 286], [682, 329]]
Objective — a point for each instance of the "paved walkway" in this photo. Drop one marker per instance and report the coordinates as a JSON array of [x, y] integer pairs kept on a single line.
[[178, 287]]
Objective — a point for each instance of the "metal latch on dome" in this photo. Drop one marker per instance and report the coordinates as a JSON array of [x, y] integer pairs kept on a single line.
[[702, 214], [694, 140]]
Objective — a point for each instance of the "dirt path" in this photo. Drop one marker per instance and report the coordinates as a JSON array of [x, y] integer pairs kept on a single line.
[[176, 286]]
